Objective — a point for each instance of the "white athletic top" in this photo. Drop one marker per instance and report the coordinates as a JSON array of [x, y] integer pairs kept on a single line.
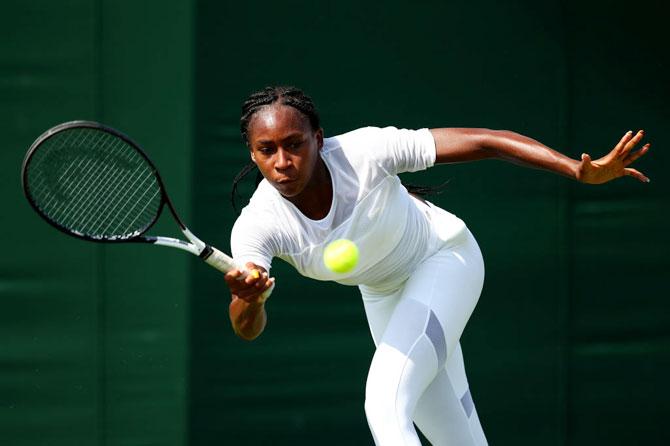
[[393, 230]]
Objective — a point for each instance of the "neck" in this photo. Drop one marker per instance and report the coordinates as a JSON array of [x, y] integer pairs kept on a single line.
[[317, 198]]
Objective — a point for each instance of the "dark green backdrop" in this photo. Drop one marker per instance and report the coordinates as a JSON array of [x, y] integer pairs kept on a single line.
[[123, 345], [93, 339]]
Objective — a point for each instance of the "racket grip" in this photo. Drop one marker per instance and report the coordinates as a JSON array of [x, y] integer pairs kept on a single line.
[[225, 263], [219, 260]]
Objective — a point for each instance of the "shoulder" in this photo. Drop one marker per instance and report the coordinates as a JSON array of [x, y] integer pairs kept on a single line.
[[362, 136], [364, 142], [396, 149], [258, 230], [262, 205], [379, 137]]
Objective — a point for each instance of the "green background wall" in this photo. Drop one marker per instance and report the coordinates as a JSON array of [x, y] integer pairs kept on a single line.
[[125, 345], [569, 344], [93, 339]]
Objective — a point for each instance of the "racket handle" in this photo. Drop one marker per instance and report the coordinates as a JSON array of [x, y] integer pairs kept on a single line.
[[219, 260], [225, 263]]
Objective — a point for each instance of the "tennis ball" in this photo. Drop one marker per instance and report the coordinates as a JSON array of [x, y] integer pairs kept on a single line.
[[341, 256]]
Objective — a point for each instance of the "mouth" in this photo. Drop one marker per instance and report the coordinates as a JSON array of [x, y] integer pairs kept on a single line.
[[285, 180]]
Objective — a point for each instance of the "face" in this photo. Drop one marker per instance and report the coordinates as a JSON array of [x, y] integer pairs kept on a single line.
[[284, 147]]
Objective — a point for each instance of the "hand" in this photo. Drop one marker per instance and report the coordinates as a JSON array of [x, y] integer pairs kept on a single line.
[[251, 288], [614, 164]]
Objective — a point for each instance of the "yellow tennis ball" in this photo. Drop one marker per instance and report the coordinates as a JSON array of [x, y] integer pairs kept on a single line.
[[341, 256]]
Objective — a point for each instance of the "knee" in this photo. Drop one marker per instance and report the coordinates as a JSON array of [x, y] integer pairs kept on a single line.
[[389, 424], [379, 403], [385, 413], [376, 409], [379, 415]]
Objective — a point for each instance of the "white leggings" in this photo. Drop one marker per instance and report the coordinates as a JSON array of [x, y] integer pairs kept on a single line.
[[417, 372]]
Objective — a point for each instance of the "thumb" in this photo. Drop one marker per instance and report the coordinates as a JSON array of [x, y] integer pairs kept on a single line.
[[586, 158], [252, 270]]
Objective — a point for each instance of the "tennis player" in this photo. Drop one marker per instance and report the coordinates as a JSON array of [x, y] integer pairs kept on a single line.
[[420, 271]]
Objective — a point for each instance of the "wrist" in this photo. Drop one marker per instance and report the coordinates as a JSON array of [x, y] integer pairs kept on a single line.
[[572, 169]]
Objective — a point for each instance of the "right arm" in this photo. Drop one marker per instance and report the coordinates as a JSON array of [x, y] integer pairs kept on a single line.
[[247, 306]]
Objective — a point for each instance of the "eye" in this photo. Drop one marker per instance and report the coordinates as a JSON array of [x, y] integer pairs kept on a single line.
[[295, 145]]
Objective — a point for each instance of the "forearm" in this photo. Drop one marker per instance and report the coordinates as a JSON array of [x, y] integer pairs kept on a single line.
[[248, 319], [458, 145], [527, 152]]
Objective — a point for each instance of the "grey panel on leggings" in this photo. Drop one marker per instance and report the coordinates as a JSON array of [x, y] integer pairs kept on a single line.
[[436, 336], [468, 404]]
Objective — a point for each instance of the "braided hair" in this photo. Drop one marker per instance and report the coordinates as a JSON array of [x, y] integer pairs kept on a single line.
[[291, 96]]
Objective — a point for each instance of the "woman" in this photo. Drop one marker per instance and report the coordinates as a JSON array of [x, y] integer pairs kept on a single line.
[[420, 271]]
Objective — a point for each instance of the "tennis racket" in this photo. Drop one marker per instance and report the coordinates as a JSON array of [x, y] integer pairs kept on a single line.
[[94, 183]]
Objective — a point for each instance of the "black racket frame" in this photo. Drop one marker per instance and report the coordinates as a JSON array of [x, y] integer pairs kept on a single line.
[[137, 236]]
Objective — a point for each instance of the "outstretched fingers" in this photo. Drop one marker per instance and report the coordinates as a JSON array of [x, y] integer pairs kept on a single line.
[[623, 141], [629, 141], [636, 174], [635, 155], [628, 156]]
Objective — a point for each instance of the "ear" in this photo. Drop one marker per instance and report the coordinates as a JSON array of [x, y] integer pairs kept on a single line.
[[253, 157], [319, 138]]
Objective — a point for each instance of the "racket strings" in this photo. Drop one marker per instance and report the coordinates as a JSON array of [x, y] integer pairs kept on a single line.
[[94, 183], [62, 212], [39, 171], [63, 185]]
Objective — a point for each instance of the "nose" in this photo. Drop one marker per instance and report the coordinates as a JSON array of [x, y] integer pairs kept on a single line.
[[283, 160]]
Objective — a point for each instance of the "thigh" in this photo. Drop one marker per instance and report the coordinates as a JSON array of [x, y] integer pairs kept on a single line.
[[403, 365], [378, 311], [448, 284]]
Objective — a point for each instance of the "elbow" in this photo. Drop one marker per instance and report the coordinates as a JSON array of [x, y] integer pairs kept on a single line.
[[488, 143], [247, 333]]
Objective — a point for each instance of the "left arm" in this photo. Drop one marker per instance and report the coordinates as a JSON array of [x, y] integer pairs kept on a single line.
[[455, 145]]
